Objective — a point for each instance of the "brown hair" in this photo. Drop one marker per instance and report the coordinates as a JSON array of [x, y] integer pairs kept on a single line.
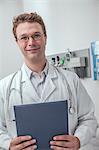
[[28, 17]]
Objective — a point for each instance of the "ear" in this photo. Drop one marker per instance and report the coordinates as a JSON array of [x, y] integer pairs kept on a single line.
[[45, 39], [17, 41]]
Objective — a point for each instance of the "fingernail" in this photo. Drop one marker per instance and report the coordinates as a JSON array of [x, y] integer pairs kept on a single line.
[[35, 146], [51, 142], [34, 140], [29, 137], [54, 138]]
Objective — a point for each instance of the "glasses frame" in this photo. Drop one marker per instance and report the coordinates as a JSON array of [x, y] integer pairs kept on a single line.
[[25, 38]]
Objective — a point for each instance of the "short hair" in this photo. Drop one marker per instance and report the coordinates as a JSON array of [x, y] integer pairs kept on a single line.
[[28, 17]]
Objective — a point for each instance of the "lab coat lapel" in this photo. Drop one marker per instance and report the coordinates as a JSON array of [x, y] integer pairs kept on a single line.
[[49, 84], [48, 89], [29, 92]]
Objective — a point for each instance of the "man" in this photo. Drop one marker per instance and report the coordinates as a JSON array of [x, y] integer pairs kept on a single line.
[[38, 81]]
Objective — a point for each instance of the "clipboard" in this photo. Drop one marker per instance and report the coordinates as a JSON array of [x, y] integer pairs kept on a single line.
[[42, 121]]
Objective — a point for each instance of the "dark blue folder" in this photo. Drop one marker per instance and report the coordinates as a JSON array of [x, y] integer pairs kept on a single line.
[[42, 121]]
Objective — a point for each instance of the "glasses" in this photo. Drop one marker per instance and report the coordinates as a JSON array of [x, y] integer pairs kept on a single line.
[[35, 37]]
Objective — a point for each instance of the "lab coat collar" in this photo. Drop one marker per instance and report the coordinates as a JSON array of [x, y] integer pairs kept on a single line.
[[51, 73], [22, 78], [31, 73], [49, 85]]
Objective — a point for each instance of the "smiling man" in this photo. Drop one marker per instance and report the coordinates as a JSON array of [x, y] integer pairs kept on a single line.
[[38, 81], [31, 38]]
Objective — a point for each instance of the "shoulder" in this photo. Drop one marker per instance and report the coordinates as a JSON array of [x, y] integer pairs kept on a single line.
[[66, 76], [69, 75], [7, 80]]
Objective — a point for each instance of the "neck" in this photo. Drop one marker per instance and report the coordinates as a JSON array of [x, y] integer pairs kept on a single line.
[[36, 67]]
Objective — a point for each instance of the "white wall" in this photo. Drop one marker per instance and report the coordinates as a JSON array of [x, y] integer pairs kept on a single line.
[[98, 18], [10, 59], [70, 23]]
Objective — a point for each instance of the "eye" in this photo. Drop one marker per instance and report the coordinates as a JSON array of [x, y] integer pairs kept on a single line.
[[24, 38], [37, 36]]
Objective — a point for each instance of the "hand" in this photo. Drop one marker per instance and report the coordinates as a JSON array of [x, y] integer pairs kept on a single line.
[[23, 143], [65, 142]]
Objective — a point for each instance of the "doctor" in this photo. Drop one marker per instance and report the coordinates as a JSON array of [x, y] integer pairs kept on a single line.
[[38, 81]]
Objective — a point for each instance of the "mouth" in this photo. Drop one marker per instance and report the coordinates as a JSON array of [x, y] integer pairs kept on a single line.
[[33, 49]]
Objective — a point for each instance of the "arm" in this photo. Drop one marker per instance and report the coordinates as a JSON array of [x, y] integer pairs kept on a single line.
[[87, 123], [4, 137], [7, 141]]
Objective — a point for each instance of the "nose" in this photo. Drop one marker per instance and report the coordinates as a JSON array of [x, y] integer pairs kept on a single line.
[[31, 41]]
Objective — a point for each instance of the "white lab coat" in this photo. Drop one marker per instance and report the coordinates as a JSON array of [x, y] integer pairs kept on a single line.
[[82, 122]]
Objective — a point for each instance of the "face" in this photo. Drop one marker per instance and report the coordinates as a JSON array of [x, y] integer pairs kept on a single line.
[[32, 41]]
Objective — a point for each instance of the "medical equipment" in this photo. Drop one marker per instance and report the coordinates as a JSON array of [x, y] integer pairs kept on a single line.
[[77, 61], [71, 106], [95, 60]]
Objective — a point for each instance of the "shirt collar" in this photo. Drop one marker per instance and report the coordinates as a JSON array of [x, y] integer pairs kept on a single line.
[[30, 73]]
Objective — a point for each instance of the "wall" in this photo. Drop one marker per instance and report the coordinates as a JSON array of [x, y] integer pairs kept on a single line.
[[10, 59], [70, 23], [98, 19]]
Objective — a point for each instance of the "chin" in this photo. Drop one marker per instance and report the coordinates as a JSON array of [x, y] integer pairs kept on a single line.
[[33, 57]]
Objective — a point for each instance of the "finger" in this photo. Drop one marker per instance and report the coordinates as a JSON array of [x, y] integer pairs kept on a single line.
[[25, 144], [64, 137], [33, 147], [20, 139], [63, 144], [73, 142], [59, 148]]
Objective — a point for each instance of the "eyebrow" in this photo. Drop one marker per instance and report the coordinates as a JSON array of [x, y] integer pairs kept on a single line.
[[25, 34]]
